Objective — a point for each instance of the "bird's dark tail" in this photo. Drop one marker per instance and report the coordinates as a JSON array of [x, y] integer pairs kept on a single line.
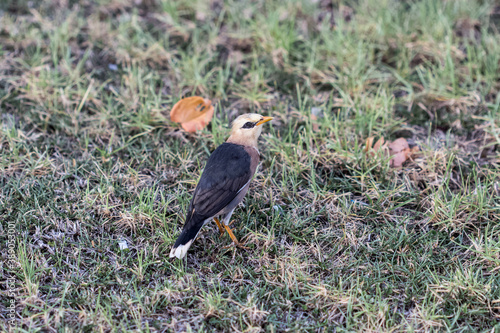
[[191, 229]]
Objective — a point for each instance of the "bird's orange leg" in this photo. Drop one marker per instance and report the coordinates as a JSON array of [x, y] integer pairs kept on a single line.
[[233, 237], [221, 229]]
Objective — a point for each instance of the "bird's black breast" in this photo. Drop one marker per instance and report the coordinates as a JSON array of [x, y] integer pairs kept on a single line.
[[228, 170]]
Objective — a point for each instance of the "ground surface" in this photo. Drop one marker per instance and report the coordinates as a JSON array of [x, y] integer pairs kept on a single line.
[[336, 237]]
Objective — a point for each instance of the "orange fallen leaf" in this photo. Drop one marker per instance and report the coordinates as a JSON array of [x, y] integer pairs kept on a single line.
[[193, 113]]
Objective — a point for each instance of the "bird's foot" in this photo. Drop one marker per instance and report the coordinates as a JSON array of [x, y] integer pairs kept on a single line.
[[237, 244], [233, 237], [219, 225]]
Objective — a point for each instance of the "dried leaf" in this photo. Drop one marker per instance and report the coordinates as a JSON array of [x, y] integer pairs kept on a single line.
[[368, 144], [315, 125], [379, 144], [401, 151], [193, 113]]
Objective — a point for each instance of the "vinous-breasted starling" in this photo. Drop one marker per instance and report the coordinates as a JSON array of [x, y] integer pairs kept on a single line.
[[224, 181]]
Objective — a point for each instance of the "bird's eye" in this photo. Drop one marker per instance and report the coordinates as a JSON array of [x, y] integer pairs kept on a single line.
[[249, 125]]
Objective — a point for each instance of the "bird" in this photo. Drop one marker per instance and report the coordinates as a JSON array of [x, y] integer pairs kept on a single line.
[[224, 182]]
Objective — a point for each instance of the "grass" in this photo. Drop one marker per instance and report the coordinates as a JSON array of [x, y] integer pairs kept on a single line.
[[339, 240]]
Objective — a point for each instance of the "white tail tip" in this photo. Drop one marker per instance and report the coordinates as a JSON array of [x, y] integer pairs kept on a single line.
[[180, 251]]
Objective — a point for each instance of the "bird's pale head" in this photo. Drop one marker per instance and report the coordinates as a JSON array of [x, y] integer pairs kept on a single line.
[[246, 129]]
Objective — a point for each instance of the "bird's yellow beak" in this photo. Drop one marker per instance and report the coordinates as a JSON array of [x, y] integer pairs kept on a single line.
[[265, 120]]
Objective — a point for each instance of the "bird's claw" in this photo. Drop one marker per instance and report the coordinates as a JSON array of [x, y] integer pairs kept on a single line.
[[241, 246]]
